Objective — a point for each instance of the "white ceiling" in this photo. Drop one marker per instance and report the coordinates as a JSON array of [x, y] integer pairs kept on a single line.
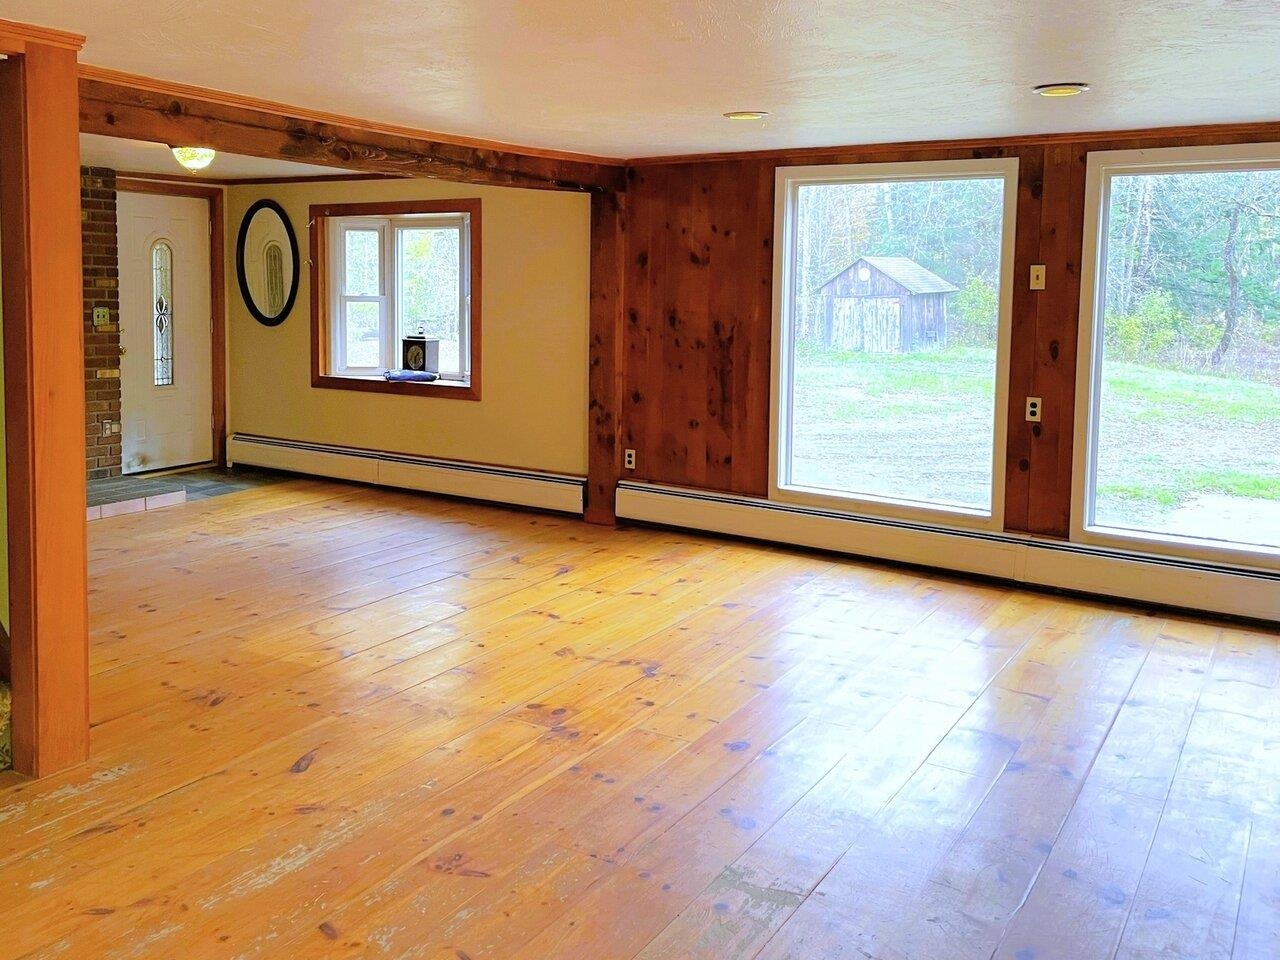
[[140, 156], [630, 79]]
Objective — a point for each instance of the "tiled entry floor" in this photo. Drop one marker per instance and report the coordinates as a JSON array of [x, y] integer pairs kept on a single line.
[[134, 493]]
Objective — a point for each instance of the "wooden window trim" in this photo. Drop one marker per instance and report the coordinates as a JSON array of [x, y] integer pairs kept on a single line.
[[319, 215]]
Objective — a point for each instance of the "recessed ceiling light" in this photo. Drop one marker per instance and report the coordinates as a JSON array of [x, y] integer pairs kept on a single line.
[[746, 114], [1060, 89], [193, 158]]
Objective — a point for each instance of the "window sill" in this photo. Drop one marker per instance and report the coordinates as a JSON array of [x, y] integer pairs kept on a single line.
[[869, 506], [1232, 554], [441, 389]]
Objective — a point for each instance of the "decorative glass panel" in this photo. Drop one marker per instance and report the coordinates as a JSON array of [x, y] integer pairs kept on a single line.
[[273, 266], [162, 301]]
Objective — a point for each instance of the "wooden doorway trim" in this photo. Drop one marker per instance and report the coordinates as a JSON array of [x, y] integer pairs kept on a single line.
[[217, 295], [44, 400]]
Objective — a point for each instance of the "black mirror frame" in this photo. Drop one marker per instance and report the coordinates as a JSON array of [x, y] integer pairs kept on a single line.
[[241, 237]]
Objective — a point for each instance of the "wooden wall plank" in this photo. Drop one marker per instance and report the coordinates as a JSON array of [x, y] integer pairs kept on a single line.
[[1022, 341], [644, 271], [698, 271], [1053, 369], [604, 414], [44, 408]]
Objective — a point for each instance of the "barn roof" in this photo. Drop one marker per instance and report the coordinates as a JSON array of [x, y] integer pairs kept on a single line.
[[903, 271]]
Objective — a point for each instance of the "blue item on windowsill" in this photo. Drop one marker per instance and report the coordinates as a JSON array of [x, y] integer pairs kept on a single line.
[[410, 376]]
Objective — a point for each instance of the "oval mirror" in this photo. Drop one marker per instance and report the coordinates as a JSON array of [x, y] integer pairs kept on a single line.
[[267, 262]]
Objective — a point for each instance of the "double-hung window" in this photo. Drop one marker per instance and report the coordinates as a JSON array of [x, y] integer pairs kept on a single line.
[[1178, 417], [892, 315], [399, 295]]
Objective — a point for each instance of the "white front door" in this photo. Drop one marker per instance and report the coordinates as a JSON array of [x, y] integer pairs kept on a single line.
[[166, 321]]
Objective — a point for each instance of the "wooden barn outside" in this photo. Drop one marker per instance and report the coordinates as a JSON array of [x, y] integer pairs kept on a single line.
[[885, 305]]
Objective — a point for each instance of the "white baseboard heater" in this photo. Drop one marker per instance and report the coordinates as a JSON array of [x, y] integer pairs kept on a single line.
[[527, 488], [1022, 559]]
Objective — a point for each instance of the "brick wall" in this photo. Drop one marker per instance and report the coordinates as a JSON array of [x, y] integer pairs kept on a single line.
[[101, 342]]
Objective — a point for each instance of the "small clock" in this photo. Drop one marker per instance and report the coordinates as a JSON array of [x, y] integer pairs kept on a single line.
[[420, 354]]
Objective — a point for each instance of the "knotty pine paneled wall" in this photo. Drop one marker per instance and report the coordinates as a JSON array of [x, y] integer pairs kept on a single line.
[[695, 331], [698, 311]]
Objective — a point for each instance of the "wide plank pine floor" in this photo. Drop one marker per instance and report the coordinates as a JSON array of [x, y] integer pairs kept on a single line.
[[334, 721]]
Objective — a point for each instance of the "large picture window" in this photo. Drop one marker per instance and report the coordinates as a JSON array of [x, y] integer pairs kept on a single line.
[[892, 332], [400, 297], [1180, 433]]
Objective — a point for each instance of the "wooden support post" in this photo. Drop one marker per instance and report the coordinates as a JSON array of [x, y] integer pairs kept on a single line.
[[44, 400], [604, 420]]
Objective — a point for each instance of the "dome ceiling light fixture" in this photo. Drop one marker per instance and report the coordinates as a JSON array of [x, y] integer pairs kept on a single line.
[[746, 114], [194, 158], [1070, 89]]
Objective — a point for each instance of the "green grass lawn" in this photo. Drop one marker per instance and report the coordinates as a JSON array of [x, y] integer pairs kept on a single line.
[[918, 426], [911, 426]]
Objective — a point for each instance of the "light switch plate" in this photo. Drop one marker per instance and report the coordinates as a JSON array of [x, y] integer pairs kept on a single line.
[[1037, 276], [101, 316]]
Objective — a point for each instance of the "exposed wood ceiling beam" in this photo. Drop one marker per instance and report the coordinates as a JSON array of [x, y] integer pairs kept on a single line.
[[173, 88], [121, 109], [250, 181]]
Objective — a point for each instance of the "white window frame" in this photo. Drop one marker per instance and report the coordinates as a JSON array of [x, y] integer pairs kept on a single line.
[[1103, 166], [789, 180], [389, 229], [339, 227]]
